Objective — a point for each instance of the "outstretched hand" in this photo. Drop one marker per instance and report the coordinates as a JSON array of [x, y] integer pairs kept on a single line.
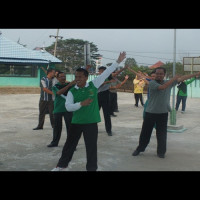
[[121, 57]]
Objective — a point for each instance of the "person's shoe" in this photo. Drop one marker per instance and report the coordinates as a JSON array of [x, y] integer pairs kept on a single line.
[[136, 153], [57, 169], [116, 110], [113, 115], [52, 145], [136, 106], [37, 128], [182, 112], [109, 133], [161, 155]]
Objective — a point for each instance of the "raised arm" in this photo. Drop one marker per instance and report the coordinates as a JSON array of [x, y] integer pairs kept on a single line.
[[63, 90], [185, 77], [101, 78], [168, 83], [119, 71], [138, 73], [45, 71], [120, 84]]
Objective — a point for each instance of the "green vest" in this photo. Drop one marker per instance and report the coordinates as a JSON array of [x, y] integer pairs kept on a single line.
[[182, 88], [59, 102], [86, 114]]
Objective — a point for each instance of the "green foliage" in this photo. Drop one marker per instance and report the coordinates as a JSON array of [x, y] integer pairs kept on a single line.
[[179, 69], [130, 62], [71, 52]]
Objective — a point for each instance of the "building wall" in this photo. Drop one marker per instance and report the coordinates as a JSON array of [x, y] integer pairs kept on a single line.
[[193, 89], [20, 81]]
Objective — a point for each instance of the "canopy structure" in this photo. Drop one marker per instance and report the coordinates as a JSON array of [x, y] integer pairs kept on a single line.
[[13, 53]]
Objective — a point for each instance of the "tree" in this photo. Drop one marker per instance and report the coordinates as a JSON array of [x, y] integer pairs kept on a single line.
[[71, 52], [130, 62], [178, 70]]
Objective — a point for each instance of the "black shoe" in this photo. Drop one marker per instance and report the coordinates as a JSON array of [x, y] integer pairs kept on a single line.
[[161, 155], [109, 133], [136, 153], [136, 106], [113, 115], [52, 145], [37, 128], [116, 110]]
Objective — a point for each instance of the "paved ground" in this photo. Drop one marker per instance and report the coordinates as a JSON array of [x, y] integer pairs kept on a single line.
[[22, 149]]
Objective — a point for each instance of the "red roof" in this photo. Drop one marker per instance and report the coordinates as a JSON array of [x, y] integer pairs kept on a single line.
[[158, 64]]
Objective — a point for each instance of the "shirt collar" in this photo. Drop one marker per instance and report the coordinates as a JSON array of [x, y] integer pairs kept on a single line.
[[86, 85]]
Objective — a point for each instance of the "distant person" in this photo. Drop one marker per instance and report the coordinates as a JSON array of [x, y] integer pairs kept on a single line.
[[182, 94], [113, 94], [60, 112], [82, 100], [157, 111], [103, 100], [113, 91], [46, 99], [138, 84], [146, 79]]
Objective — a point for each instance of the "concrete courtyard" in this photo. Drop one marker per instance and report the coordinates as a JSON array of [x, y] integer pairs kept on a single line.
[[23, 149]]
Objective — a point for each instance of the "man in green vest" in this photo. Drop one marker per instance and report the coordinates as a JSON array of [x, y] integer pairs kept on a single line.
[[60, 90], [82, 100], [182, 93]]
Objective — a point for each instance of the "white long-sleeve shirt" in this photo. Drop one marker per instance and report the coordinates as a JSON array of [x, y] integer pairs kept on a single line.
[[71, 106]]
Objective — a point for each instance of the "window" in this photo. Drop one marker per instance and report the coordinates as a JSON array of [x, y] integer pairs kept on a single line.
[[10, 70]]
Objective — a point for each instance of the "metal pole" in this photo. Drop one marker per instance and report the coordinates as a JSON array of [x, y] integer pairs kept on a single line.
[[87, 60], [173, 112], [191, 73], [174, 68]]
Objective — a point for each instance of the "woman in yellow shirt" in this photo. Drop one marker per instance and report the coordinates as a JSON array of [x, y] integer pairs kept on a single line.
[[139, 84]]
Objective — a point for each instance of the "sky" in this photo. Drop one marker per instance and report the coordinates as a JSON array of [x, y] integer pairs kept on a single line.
[[146, 46]]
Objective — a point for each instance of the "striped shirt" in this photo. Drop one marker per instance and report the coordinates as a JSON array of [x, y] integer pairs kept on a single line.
[[46, 83]]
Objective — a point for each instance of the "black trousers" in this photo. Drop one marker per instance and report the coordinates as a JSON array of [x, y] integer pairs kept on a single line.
[[138, 96], [113, 102], [43, 105], [58, 125], [103, 100], [150, 120], [90, 134]]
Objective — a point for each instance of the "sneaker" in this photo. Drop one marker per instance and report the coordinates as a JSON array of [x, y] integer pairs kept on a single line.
[[182, 111], [57, 169]]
